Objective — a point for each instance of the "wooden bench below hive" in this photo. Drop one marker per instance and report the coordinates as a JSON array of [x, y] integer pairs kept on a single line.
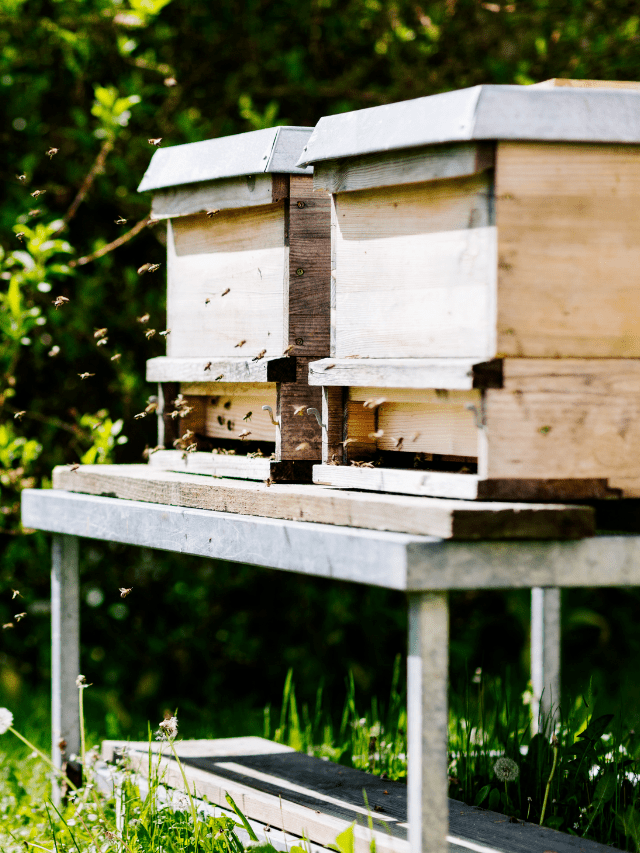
[[317, 800], [509, 429]]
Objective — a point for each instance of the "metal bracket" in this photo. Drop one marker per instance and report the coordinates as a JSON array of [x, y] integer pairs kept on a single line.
[[478, 412], [270, 410], [316, 413]]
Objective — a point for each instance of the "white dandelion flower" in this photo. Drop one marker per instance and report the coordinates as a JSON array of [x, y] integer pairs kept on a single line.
[[506, 770], [169, 728], [6, 720]]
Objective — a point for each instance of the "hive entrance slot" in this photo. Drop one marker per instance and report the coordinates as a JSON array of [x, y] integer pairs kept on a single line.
[[409, 429]]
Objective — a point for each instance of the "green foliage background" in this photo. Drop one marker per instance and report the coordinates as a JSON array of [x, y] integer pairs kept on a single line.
[[90, 75]]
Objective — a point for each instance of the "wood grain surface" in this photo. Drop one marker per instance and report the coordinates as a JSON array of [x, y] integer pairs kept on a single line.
[[429, 516], [416, 271], [568, 254]]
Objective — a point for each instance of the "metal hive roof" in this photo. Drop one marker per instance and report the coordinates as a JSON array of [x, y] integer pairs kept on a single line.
[[482, 112], [274, 149]]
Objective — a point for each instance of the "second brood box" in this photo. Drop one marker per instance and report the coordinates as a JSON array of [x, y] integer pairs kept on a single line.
[[485, 311], [247, 303]]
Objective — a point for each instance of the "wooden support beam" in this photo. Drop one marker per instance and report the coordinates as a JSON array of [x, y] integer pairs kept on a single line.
[[65, 650], [545, 658], [428, 723]]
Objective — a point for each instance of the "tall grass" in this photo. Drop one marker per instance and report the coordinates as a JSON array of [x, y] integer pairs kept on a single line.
[[594, 791]]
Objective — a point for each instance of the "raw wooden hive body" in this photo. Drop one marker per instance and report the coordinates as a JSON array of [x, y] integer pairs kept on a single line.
[[247, 303], [486, 289]]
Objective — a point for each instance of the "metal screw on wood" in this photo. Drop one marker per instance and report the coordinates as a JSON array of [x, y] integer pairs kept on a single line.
[[301, 204], [270, 410], [299, 271], [299, 342]]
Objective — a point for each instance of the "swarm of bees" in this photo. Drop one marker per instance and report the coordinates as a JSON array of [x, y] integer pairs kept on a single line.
[[260, 355], [85, 375], [124, 592], [51, 152], [155, 142], [37, 193], [239, 344], [149, 333], [59, 301]]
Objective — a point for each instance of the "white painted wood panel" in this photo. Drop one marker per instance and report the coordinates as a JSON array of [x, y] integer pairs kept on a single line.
[[416, 271], [242, 251]]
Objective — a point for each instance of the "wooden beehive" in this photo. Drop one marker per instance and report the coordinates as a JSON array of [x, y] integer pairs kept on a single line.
[[248, 283], [485, 313]]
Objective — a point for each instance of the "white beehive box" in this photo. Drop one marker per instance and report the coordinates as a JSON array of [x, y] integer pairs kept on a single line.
[[247, 301], [478, 237]]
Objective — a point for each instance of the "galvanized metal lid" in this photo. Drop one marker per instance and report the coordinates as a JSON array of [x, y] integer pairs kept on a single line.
[[275, 149], [483, 112]]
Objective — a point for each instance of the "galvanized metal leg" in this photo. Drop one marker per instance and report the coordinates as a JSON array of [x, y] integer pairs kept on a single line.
[[545, 657], [65, 648], [427, 681]]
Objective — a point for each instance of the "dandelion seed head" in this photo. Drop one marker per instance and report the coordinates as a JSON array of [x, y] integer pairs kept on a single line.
[[6, 720], [168, 729], [506, 770]]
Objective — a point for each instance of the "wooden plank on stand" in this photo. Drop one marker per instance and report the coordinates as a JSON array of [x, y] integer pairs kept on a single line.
[[305, 796], [428, 516]]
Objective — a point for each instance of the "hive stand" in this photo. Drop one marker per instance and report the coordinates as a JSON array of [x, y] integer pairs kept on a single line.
[[485, 312], [425, 567], [248, 283]]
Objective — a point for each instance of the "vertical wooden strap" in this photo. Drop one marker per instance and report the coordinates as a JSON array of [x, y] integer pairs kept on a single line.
[[65, 648], [168, 428], [545, 657], [427, 680]]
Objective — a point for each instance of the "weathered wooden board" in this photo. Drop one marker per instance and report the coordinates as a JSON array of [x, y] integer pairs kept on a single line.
[[318, 799], [242, 252], [333, 421], [416, 271], [227, 416], [454, 373], [566, 418], [568, 255], [231, 370], [460, 486], [307, 305], [585, 84], [421, 421], [212, 464], [409, 166], [428, 516], [225, 194], [299, 436]]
